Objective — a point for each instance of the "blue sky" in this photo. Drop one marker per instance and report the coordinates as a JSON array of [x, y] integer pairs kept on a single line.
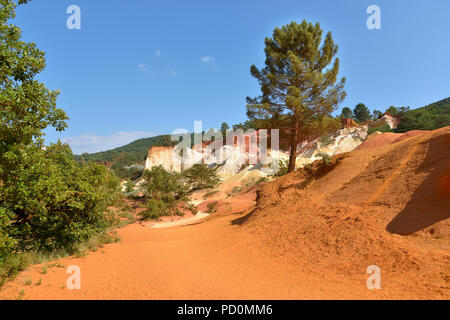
[[138, 68]]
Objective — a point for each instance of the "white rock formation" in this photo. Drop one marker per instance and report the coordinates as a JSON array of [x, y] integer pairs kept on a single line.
[[231, 160]]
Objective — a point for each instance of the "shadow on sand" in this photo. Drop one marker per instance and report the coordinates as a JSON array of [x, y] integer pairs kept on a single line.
[[430, 203]]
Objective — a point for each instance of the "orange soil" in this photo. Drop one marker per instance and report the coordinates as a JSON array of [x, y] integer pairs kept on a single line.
[[387, 138], [312, 234]]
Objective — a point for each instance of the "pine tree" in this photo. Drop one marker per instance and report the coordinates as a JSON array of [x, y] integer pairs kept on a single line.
[[223, 128], [298, 83], [377, 114], [347, 113], [361, 112]]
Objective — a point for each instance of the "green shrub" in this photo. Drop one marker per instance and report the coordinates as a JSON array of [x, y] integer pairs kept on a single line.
[[164, 185], [236, 190], [129, 187], [283, 168], [325, 140], [192, 208], [155, 209], [210, 194], [164, 190], [212, 207], [56, 203], [326, 158], [383, 128]]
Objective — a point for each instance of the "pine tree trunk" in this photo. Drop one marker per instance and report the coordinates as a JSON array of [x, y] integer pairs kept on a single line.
[[293, 153]]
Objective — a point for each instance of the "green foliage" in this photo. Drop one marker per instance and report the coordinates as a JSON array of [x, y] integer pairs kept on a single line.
[[123, 158], [397, 111], [236, 190], [164, 190], [210, 194], [377, 114], [326, 158], [298, 83], [223, 128], [347, 113], [132, 172], [200, 176], [155, 209], [164, 185], [129, 187], [361, 113], [383, 128], [431, 117], [48, 202], [212, 207], [192, 208], [249, 124], [53, 202], [282, 168], [325, 140]]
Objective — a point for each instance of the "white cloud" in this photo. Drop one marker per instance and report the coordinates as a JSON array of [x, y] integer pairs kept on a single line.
[[143, 67], [207, 59], [157, 53], [172, 72], [93, 143]]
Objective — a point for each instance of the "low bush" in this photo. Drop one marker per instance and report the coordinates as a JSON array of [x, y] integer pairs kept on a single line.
[[326, 158], [383, 128], [283, 168], [210, 194], [164, 191], [212, 207]]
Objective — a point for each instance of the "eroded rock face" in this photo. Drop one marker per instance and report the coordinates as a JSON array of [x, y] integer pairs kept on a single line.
[[232, 159], [390, 120], [344, 140]]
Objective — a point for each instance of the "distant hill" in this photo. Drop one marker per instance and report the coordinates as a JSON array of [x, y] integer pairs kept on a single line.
[[430, 117], [122, 158]]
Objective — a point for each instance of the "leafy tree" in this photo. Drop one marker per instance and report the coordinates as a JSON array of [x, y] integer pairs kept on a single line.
[[164, 190], [392, 110], [377, 114], [47, 200], [397, 111], [164, 185], [200, 176], [347, 113], [361, 112], [26, 108], [298, 82]]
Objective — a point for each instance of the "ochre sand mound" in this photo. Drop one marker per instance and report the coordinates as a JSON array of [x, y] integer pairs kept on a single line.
[[379, 139], [312, 234]]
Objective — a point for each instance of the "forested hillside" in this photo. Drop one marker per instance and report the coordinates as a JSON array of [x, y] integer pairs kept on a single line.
[[123, 158], [134, 152], [430, 117]]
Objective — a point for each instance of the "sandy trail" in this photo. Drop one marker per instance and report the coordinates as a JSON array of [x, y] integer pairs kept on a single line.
[[205, 261], [309, 235], [184, 222]]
